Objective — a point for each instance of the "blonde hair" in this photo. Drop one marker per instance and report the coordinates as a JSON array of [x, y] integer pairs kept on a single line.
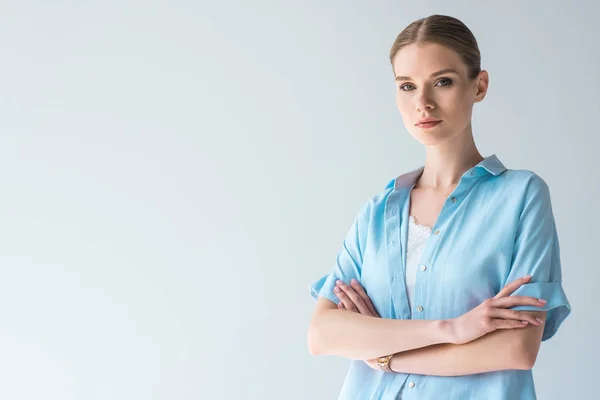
[[443, 30]]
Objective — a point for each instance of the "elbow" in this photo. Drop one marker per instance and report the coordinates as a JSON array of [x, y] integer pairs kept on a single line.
[[314, 338], [320, 331], [320, 335], [526, 356], [313, 349], [529, 358], [311, 340], [525, 362]]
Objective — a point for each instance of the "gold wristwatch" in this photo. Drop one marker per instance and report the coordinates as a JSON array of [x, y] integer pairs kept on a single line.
[[384, 362]]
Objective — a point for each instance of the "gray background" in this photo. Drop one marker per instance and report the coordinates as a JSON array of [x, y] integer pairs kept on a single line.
[[175, 174]]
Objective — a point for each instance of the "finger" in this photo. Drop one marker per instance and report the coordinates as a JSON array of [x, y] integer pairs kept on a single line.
[[512, 286], [515, 315], [363, 295], [361, 292], [513, 301], [356, 299], [348, 304], [341, 305], [509, 324]]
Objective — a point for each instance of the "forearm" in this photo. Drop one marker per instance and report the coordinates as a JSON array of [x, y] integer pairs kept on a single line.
[[498, 350], [359, 337]]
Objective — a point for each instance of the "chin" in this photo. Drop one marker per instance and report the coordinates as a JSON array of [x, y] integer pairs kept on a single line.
[[430, 136]]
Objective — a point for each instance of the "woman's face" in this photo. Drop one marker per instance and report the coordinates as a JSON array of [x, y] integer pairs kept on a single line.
[[422, 93]]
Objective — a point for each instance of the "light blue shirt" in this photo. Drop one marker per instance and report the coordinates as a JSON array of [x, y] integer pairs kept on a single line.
[[496, 226]]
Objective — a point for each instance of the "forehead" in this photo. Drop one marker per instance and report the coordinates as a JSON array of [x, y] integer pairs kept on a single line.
[[420, 60]]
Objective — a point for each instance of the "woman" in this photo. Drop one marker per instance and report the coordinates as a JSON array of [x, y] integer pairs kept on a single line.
[[450, 277]]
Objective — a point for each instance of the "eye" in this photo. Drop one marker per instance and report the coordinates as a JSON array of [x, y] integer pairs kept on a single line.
[[445, 80]]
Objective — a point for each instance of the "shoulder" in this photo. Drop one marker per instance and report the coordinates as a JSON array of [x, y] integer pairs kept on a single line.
[[529, 193], [525, 182], [373, 207], [524, 178], [375, 203]]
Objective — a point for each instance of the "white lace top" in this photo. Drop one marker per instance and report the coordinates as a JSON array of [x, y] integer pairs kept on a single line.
[[417, 238]]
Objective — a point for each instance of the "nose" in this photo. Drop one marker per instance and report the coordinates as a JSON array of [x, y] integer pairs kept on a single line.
[[423, 102]]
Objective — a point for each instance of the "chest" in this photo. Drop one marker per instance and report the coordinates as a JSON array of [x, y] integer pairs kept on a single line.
[[426, 204], [463, 261]]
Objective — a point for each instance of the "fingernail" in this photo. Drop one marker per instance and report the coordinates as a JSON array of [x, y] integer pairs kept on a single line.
[[337, 289], [541, 321], [338, 282], [527, 277], [542, 301], [353, 281], [525, 322]]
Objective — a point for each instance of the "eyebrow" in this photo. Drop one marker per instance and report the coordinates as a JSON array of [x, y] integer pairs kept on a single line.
[[443, 71]]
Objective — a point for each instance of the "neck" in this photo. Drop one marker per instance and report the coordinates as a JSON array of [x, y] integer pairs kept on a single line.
[[446, 162]]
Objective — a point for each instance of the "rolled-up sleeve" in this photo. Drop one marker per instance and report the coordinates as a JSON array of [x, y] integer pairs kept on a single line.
[[348, 263], [536, 252]]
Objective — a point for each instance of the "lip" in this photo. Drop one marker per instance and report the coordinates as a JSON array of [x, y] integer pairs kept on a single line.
[[427, 119], [427, 125]]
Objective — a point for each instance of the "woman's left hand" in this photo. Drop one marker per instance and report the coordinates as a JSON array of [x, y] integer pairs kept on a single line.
[[354, 298]]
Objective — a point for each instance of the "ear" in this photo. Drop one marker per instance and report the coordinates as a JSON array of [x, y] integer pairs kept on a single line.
[[481, 87]]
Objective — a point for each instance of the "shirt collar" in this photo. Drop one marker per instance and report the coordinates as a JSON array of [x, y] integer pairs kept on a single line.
[[491, 164]]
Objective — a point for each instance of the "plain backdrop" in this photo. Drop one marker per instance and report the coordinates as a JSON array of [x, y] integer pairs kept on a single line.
[[174, 175]]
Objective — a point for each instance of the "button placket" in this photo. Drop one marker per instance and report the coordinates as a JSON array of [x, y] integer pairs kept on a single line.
[[430, 247], [394, 203]]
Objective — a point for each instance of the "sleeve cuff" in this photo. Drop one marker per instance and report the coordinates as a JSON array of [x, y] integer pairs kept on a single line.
[[557, 304], [324, 287]]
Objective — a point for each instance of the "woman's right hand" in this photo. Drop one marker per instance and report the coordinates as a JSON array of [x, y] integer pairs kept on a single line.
[[492, 314]]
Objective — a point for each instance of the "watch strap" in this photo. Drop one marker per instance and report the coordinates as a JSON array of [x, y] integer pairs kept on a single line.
[[384, 363]]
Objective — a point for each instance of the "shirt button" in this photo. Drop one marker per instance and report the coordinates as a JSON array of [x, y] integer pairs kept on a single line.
[[411, 384], [392, 211], [419, 309], [454, 199], [437, 232], [423, 267]]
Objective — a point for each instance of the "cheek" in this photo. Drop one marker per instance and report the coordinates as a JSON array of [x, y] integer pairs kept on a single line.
[[461, 98], [453, 104], [404, 103]]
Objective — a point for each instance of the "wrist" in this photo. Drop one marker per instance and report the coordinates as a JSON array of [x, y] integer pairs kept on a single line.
[[447, 330], [384, 362], [394, 367]]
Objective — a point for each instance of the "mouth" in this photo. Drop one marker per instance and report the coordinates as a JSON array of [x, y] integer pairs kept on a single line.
[[427, 125]]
